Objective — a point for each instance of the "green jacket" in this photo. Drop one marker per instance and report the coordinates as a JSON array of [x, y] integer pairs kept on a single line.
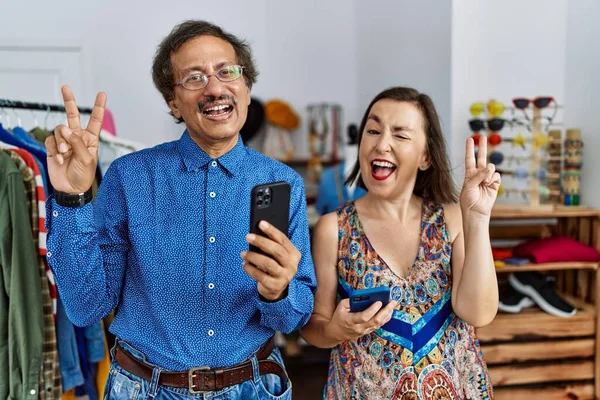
[[21, 320]]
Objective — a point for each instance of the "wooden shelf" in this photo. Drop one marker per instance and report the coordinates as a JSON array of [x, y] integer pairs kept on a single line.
[[536, 323], [527, 374], [548, 267], [580, 391], [519, 212]]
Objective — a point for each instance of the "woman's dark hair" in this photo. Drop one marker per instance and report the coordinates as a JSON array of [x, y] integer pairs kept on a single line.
[[162, 70], [435, 183]]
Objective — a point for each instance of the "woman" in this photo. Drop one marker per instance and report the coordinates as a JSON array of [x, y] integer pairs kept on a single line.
[[408, 234]]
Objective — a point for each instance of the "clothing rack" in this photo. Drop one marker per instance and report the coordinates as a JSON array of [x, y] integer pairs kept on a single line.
[[23, 105]]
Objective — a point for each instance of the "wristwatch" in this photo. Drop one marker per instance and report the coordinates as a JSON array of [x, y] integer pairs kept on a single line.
[[73, 200]]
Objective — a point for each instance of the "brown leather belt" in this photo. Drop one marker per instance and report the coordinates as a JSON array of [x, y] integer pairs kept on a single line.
[[204, 379]]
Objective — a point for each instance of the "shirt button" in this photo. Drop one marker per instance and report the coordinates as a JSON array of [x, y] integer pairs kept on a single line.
[[55, 213], [211, 285], [212, 194], [49, 254], [214, 163], [211, 239], [211, 332], [32, 392]]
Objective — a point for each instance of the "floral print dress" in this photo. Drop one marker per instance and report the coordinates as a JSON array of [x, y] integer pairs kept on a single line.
[[425, 352]]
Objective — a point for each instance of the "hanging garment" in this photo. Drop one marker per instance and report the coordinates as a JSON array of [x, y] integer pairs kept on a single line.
[[51, 385], [332, 192], [21, 339]]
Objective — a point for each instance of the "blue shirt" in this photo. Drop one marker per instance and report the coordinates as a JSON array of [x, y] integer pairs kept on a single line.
[[328, 196], [162, 243]]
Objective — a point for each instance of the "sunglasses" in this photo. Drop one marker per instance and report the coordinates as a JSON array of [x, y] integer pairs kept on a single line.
[[539, 102], [493, 140], [494, 124]]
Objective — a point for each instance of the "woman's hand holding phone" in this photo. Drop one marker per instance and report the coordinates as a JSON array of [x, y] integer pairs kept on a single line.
[[346, 325]]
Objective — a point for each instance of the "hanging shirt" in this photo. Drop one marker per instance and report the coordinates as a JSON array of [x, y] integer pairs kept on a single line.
[[163, 241], [333, 193], [21, 338], [50, 382]]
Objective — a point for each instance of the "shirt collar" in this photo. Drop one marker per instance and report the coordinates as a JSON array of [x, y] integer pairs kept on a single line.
[[195, 158]]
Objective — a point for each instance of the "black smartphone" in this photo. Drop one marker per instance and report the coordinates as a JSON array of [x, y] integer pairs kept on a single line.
[[269, 202]]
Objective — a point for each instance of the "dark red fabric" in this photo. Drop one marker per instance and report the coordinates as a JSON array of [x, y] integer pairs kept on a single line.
[[501, 254], [557, 249]]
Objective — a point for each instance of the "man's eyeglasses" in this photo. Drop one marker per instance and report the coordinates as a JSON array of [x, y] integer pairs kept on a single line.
[[198, 81]]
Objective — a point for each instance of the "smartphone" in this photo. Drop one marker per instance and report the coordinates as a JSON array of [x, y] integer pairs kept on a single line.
[[269, 202], [360, 300]]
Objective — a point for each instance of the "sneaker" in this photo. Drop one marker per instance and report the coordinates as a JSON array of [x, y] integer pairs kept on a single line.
[[541, 290], [512, 301]]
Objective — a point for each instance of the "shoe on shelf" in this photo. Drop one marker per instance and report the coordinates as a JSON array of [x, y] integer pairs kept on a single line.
[[541, 290], [512, 301]]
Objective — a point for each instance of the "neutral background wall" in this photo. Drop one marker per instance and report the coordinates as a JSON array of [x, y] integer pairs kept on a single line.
[[582, 87], [345, 52]]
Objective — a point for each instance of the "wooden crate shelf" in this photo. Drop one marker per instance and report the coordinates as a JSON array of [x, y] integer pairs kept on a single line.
[[521, 374], [549, 267], [535, 323], [508, 353], [512, 212], [535, 355], [581, 391]]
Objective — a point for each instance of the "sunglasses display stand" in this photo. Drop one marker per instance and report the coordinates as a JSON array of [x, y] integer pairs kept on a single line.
[[554, 166], [573, 163]]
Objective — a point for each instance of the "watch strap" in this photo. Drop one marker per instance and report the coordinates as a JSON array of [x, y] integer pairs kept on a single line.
[[73, 200]]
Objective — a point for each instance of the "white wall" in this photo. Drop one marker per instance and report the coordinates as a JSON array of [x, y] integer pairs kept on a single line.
[[582, 88], [296, 45], [503, 50], [402, 43]]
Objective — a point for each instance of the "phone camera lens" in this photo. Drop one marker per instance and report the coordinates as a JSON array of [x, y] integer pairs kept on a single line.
[[260, 193], [267, 197], [259, 202]]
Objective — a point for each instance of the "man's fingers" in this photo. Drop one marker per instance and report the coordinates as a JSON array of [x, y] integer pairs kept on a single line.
[[264, 263], [62, 146], [52, 150], [277, 236], [71, 109], [269, 246], [259, 276], [95, 124], [79, 147]]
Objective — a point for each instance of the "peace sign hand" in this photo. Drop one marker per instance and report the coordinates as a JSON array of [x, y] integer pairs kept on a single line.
[[480, 188], [73, 151]]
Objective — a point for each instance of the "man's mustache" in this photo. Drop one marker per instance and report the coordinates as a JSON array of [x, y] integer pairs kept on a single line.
[[212, 99]]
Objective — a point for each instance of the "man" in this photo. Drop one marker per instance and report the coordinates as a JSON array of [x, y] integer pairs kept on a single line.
[[166, 240]]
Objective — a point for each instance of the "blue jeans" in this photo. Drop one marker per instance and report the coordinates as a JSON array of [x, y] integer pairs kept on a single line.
[[122, 385]]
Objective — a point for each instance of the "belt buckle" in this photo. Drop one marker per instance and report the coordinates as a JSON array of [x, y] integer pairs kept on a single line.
[[191, 376]]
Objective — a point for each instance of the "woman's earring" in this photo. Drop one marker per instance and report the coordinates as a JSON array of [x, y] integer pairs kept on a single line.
[[423, 167]]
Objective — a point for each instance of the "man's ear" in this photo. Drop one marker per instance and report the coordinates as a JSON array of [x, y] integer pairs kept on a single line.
[[174, 109]]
